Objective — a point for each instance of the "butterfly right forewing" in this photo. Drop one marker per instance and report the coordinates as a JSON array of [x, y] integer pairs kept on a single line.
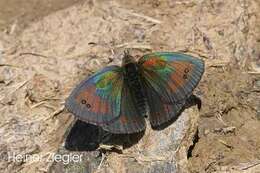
[[169, 79]]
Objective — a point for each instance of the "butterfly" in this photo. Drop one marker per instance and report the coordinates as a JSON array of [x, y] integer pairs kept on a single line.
[[119, 98]]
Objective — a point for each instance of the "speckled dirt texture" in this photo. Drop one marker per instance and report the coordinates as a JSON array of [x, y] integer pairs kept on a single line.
[[47, 47]]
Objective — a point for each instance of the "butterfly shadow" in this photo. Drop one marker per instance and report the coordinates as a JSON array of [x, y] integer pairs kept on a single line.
[[87, 137], [83, 136]]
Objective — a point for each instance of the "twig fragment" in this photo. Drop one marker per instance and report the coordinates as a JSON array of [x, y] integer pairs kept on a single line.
[[9, 65], [219, 117], [35, 54], [250, 166], [253, 72], [37, 104], [110, 147], [57, 112], [17, 87], [103, 156], [142, 16], [134, 46], [225, 130], [225, 144]]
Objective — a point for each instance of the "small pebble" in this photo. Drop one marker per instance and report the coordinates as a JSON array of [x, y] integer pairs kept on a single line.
[[207, 131], [257, 83], [258, 115]]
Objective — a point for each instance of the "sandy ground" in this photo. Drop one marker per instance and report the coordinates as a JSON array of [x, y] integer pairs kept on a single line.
[[48, 46]]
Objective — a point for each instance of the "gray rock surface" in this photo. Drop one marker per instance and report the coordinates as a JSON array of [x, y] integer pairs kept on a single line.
[[163, 150]]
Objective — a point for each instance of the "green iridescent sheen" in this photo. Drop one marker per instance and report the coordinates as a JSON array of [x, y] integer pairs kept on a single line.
[[104, 82]]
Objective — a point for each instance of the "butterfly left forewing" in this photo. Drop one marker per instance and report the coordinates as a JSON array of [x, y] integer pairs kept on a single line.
[[97, 99]]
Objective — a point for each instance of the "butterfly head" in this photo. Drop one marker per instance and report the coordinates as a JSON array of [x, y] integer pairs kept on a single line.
[[127, 58]]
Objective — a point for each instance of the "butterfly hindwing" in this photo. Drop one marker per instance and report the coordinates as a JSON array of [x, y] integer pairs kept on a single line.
[[160, 111], [130, 120], [171, 78], [97, 99]]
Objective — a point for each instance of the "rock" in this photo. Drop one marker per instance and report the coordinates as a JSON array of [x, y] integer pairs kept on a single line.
[[158, 151], [155, 151]]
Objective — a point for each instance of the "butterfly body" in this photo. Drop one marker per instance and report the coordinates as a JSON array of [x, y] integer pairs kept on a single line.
[[133, 81], [118, 98]]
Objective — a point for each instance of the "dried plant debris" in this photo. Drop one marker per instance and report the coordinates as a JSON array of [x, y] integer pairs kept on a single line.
[[44, 53]]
